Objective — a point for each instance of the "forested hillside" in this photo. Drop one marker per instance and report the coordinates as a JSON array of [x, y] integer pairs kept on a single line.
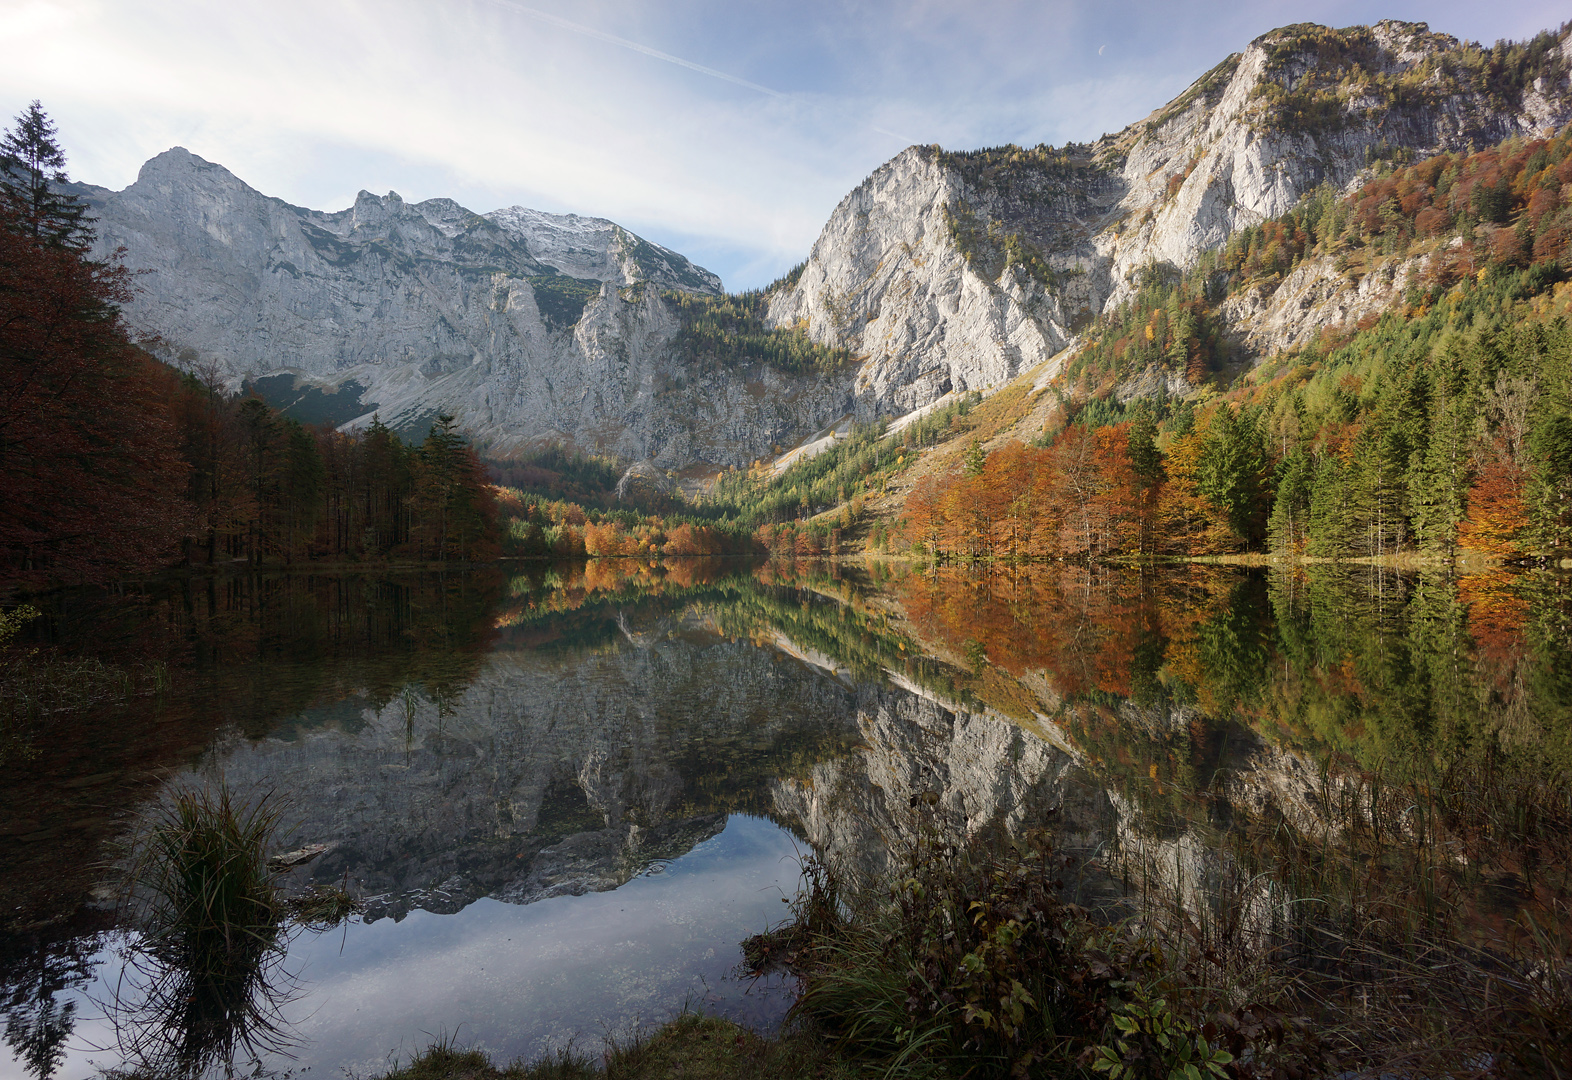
[[114, 463], [1440, 425]]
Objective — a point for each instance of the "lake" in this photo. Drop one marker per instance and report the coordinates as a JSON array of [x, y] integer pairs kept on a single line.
[[565, 795]]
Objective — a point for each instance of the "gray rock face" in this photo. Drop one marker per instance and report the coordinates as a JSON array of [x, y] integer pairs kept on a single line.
[[941, 273], [889, 278], [1223, 155], [527, 326], [600, 250]]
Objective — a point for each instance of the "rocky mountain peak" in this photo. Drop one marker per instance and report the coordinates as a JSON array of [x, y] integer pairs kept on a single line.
[[943, 272], [591, 247], [946, 272]]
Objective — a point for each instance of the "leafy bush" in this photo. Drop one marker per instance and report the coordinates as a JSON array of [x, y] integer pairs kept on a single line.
[[974, 965]]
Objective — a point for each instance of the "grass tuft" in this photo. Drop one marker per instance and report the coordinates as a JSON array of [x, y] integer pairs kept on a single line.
[[692, 1046], [203, 984]]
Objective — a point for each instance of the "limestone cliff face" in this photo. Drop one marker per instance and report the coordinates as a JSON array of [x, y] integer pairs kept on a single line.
[[942, 273], [888, 280], [1237, 147], [527, 326], [961, 271]]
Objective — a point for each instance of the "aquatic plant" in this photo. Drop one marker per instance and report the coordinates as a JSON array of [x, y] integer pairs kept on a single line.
[[817, 911], [203, 984], [322, 907]]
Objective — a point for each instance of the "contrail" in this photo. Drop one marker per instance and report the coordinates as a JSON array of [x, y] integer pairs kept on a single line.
[[612, 39], [645, 50]]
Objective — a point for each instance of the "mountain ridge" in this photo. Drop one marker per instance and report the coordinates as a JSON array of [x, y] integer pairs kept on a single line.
[[941, 274]]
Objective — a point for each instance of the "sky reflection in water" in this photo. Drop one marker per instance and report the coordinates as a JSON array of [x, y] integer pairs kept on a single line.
[[523, 980]]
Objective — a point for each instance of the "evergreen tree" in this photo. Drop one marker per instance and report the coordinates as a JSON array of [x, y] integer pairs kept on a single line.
[[1231, 465], [454, 505], [1287, 529], [975, 459], [1328, 529], [32, 164], [1145, 458], [1439, 473], [305, 476]]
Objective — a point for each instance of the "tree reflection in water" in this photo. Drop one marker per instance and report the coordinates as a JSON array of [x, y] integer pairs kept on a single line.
[[34, 976]]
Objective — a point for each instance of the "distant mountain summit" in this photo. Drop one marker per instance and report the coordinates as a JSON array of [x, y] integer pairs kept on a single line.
[[589, 247], [528, 326], [943, 272]]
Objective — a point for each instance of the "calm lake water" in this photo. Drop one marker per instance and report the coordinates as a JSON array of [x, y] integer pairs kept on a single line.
[[565, 797]]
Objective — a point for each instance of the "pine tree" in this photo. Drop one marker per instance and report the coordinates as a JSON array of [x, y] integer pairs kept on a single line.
[[1439, 473], [32, 165], [1144, 455], [1328, 529], [1230, 471], [975, 460], [1287, 528]]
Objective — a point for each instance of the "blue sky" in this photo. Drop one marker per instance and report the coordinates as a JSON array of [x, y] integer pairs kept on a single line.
[[725, 129]]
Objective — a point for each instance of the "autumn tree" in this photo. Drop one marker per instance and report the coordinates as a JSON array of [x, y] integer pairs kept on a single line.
[[91, 480]]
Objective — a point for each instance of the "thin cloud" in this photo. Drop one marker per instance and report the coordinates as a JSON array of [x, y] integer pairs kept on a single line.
[[464, 99], [645, 50], [613, 39]]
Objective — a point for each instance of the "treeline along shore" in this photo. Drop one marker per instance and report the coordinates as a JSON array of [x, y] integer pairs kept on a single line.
[[113, 463], [1440, 425]]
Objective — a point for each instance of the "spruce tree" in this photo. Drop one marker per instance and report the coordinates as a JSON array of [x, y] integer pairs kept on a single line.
[[32, 166], [1231, 466], [976, 460], [1287, 527]]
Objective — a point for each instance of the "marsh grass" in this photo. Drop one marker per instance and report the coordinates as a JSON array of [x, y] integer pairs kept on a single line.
[[322, 907], [203, 985], [692, 1046], [817, 912]]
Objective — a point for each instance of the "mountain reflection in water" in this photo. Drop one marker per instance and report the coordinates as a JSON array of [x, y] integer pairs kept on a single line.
[[626, 755]]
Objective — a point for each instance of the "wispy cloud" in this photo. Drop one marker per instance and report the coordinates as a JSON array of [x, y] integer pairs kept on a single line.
[[634, 46], [729, 131]]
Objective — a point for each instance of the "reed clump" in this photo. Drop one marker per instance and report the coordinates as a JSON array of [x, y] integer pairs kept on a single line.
[[204, 984], [322, 907]]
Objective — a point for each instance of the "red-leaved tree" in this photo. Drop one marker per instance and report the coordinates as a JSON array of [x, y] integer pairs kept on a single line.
[[91, 478]]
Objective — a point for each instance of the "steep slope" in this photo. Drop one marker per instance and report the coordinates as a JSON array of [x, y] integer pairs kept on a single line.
[[893, 278], [942, 273], [526, 325], [954, 272]]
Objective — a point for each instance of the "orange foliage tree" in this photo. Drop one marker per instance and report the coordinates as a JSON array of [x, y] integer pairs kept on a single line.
[[1497, 514]]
